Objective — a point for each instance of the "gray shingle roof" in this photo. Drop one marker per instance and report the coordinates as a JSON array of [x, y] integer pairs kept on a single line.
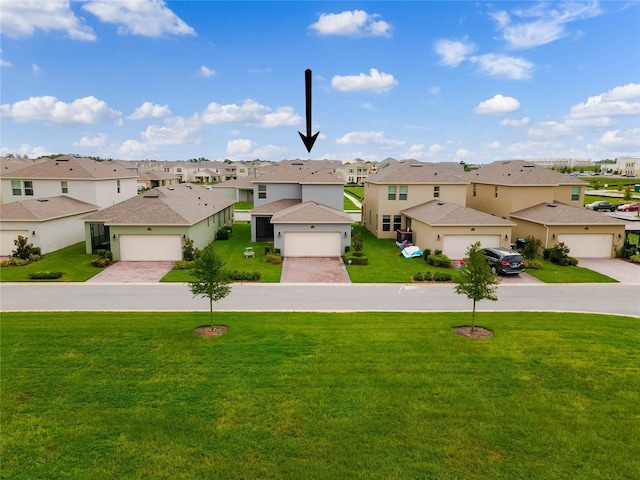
[[42, 209], [310, 212], [298, 172], [171, 205], [67, 167], [273, 207], [519, 172], [414, 172], [557, 213], [436, 212]]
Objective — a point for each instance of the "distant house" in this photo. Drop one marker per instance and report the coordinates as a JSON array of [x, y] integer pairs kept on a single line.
[[98, 183], [153, 226], [239, 190], [49, 223], [300, 207], [156, 178], [406, 184]]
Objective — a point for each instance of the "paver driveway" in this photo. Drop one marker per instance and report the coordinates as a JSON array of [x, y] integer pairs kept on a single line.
[[133, 272], [314, 270]]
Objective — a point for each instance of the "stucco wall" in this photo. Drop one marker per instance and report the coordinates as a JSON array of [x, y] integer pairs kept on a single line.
[[329, 195], [276, 191], [51, 235], [426, 236], [282, 228]]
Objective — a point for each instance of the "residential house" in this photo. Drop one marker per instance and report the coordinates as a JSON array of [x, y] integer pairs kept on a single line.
[[239, 190], [537, 199], [48, 223], [406, 184], [154, 225], [300, 207], [97, 183], [155, 178]]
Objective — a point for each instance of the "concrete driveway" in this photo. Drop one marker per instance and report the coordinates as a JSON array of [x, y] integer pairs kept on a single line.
[[624, 272], [140, 272], [314, 270]]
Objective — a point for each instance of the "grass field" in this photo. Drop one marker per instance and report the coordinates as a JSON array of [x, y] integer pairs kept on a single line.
[[319, 396], [551, 273]]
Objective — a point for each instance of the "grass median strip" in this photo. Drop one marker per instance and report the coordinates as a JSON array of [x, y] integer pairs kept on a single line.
[[319, 395]]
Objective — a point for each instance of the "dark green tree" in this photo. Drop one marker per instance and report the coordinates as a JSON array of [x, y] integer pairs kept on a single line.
[[210, 278], [476, 280]]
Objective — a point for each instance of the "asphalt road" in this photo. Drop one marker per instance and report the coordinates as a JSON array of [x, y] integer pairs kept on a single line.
[[623, 299]]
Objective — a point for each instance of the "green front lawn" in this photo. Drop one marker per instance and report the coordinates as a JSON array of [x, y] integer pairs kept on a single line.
[[232, 251], [319, 396], [73, 261], [551, 273]]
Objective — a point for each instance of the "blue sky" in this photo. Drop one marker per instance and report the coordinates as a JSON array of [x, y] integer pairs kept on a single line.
[[432, 80]]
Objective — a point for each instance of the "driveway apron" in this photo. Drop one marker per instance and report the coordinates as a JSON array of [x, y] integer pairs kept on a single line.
[[314, 270], [624, 272], [143, 272]]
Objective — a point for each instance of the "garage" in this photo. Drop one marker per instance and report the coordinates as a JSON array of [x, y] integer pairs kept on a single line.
[[6, 240], [456, 246], [315, 244], [583, 245], [139, 248]]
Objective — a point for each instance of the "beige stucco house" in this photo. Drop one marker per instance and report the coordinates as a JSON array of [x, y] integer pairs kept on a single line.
[[153, 226], [406, 184]]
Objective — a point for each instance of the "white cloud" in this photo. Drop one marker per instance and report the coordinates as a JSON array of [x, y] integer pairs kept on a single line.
[[49, 109], [206, 71], [26, 149], [240, 146], [617, 139], [133, 150], [492, 145], [150, 18], [150, 110], [173, 131], [375, 81], [4, 63], [36, 69], [352, 23], [21, 18], [453, 53], [372, 138], [462, 153], [623, 100], [250, 113], [515, 123], [499, 65], [498, 105], [90, 142], [543, 23]]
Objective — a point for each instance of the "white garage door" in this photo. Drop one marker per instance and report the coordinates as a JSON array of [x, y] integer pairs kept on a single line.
[[138, 248], [583, 245], [316, 244], [456, 246], [6, 240]]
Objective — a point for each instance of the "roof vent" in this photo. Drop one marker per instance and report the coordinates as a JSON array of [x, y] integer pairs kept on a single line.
[[151, 194], [552, 205], [416, 165], [440, 203], [170, 188], [43, 199]]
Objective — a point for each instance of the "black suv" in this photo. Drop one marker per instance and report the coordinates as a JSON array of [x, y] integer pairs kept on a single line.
[[504, 261]]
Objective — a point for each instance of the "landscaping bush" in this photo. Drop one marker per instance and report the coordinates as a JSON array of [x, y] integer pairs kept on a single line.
[[441, 277], [635, 258], [15, 262], [105, 258], [45, 275], [358, 260], [418, 277], [105, 254], [546, 253], [24, 249], [272, 258], [238, 276], [357, 254], [531, 247], [572, 261], [425, 253], [183, 264], [626, 251], [189, 252], [533, 264], [439, 260], [224, 233], [347, 249], [559, 254], [437, 252]]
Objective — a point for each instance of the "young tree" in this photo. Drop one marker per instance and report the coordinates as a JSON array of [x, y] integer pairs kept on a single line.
[[476, 281], [210, 279]]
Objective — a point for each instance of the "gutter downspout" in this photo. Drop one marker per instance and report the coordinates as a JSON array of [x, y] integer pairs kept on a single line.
[[546, 240]]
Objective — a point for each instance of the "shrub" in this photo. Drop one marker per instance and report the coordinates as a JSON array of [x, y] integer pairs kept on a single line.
[[418, 277], [546, 253], [626, 251], [357, 254], [183, 264], [276, 251], [15, 262], [45, 275], [439, 260], [573, 261], [530, 248], [347, 249], [105, 254], [24, 249], [238, 276], [437, 251], [559, 254], [533, 264], [358, 261], [426, 252], [635, 258], [272, 258], [441, 277], [101, 262], [36, 251], [224, 233], [358, 242], [189, 252]]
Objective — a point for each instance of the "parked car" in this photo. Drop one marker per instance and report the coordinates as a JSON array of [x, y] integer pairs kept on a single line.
[[601, 206], [629, 207], [504, 261]]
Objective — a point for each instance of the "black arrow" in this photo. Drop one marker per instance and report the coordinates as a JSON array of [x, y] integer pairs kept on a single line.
[[308, 139]]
